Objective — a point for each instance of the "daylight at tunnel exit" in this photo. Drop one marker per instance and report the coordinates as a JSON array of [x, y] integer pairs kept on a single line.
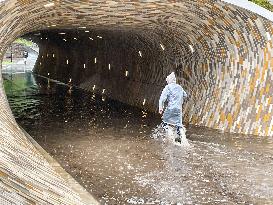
[[136, 102]]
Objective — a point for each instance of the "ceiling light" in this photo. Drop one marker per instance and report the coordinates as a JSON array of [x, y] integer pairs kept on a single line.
[[162, 47], [192, 49], [268, 36], [144, 101], [49, 5]]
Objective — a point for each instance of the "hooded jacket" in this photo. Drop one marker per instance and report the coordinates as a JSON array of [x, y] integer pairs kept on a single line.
[[174, 94]]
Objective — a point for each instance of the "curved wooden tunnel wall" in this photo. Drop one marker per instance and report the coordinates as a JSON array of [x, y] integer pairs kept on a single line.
[[223, 56]]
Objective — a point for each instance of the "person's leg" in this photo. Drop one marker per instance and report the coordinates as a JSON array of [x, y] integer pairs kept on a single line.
[[178, 137], [165, 126]]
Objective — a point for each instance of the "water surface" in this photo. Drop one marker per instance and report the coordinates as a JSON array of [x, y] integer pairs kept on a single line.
[[107, 147]]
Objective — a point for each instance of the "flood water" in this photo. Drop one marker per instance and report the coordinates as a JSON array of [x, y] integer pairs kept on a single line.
[[107, 147]]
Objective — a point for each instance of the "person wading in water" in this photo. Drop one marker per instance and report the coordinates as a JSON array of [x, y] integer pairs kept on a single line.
[[174, 94]]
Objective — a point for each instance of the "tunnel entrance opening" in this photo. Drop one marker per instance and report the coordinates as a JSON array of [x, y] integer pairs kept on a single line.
[[20, 57]]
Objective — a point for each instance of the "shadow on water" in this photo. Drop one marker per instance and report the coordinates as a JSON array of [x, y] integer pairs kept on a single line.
[[106, 146]]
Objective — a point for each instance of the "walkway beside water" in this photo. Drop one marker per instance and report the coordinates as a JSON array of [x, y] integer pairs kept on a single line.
[[19, 66]]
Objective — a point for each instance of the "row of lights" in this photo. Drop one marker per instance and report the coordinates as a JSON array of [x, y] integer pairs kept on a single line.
[[77, 39], [48, 5], [139, 52], [70, 88], [51, 4], [104, 90], [84, 65]]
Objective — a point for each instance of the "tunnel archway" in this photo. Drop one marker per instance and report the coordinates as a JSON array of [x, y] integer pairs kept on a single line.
[[221, 52]]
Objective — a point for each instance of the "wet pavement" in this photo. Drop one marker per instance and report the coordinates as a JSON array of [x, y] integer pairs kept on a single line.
[[107, 147]]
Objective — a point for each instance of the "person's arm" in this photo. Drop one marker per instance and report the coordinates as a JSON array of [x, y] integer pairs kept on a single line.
[[163, 98]]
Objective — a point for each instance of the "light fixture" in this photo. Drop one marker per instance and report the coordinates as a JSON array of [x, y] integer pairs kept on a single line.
[[109, 66], [62, 33], [103, 91], [53, 55], [70, 80], [144, 101], [126, 73], [53, 25], [64, 39], [163, 48], [191, 47], [140, 54], [82, 27], [94, 87], [268, 36], [67, 61], [86, 31], [84, 65], [99, 37], [91, 38], [48, 74], [49, 5], [95, 60], [75, 38]]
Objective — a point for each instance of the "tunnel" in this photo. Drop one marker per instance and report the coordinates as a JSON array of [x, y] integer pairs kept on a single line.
[[221, 52]]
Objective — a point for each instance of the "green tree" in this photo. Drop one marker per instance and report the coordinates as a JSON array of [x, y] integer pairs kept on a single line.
[[263, 3]]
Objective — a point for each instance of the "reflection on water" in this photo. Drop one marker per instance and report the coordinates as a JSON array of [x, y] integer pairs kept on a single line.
[[106, 146]]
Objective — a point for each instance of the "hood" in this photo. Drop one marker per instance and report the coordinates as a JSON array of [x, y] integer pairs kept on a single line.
[[171, 78]]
